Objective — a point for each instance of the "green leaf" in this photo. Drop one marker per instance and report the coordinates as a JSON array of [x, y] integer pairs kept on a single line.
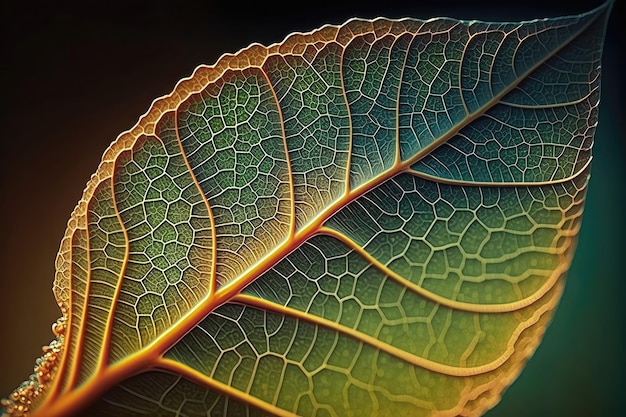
[[369, 219]]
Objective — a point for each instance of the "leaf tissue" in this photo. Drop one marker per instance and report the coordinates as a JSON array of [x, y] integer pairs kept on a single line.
[[372, 219]]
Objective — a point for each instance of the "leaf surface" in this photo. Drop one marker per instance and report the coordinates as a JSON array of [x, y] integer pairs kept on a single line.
[[372, 219]]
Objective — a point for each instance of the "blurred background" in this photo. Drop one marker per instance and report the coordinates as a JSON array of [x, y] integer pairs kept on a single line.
[[74, 77]]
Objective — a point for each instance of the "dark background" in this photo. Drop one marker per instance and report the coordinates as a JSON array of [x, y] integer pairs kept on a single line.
[[74, 77]]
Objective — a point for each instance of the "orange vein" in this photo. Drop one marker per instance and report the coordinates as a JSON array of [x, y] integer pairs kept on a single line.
[[398, 159], [78, 355], [443, 180], [292, 216], [105, 351], [390, 349], [213, 278], [460, 79], [206, 381], [553, 105], [457, 305], [349, 114]]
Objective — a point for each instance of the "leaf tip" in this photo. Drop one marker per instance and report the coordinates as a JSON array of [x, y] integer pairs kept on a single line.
[[603, 10]]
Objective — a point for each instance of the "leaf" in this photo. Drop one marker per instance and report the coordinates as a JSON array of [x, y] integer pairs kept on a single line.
[[372, 219]]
